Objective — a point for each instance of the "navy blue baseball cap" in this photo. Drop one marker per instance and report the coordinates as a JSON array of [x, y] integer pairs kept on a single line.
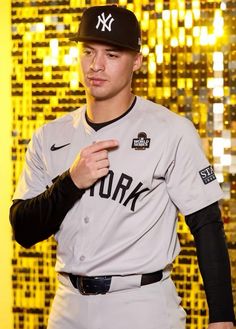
[[110, 24]]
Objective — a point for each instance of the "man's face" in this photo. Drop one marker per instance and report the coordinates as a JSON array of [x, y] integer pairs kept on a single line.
[[106, 71]]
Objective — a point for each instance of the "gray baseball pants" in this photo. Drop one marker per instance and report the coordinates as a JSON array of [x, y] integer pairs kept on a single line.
[[154, 306]]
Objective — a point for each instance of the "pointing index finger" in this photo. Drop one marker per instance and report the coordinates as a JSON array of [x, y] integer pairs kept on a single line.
[[104, 145]]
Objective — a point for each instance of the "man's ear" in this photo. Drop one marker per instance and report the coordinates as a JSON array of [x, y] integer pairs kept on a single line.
[[138, 59]]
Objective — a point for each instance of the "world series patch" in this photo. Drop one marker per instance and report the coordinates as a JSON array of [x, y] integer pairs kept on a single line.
[[207, 175], [142, 142]]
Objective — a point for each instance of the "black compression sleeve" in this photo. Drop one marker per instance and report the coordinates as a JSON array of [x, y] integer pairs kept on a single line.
[[36, 219], [207, 228]]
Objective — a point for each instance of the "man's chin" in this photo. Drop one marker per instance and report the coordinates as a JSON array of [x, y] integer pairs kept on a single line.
[[99, 97]]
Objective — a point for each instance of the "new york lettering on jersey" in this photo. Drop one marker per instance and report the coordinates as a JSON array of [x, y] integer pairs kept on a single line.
[[123, 191]]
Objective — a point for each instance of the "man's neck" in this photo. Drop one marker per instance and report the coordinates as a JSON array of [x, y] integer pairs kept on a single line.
[[106, 110]]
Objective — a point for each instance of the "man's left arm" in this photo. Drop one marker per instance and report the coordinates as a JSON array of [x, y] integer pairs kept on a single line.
[[213, 259]]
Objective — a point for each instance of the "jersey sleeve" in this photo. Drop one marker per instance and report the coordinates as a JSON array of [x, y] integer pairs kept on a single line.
[[38, 210], [191, 182], [32, 179]]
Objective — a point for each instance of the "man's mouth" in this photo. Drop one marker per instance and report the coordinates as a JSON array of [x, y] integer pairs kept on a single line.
[[96, 81]]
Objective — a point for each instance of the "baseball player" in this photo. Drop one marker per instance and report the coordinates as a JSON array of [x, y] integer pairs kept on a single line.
[[108, 181]]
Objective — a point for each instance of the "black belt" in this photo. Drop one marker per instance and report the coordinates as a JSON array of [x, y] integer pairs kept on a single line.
[[94, 285]]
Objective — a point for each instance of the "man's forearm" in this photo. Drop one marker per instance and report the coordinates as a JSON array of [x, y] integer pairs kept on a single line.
[[207, 228], [36, 219]]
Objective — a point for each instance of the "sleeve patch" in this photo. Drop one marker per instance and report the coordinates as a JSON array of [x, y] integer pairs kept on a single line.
[[207, 175]]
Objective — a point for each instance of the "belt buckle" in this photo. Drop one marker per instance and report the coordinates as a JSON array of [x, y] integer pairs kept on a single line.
[[82, 289], [86, 287], [86, 290]]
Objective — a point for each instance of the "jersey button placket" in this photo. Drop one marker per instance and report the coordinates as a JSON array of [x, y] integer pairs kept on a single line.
[[82, 258], [86, 220]]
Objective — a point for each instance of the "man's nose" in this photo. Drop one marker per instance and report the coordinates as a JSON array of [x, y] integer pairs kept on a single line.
[[97, 63]]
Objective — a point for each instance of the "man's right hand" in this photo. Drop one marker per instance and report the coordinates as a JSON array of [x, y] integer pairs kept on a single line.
[[92, 163]]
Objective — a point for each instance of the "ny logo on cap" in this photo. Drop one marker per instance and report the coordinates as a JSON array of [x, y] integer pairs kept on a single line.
[[105, 21]]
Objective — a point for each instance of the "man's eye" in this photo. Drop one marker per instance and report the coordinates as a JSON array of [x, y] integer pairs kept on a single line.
[[87, 51], [112, 55]]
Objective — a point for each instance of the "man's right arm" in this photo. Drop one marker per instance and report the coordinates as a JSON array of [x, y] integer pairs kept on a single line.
[[36, 219]]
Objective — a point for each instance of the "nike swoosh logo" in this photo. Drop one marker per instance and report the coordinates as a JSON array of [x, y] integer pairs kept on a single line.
[[55, 148]]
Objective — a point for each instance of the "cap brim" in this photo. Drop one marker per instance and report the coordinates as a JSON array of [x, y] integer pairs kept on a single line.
[[76, 38]]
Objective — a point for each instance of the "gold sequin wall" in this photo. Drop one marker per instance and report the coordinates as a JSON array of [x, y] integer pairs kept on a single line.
[[189, 50]]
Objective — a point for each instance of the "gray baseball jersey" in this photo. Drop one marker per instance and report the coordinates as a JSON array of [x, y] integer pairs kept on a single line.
[[126, 222]]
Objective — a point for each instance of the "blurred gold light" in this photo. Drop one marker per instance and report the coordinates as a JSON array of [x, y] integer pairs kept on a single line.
[[174, 42], [181, 14], [166, 92], [40, 27], [47, 19], [159, 6], [152, 41], [218, 108], [218, 23], [151, 64], [130, 6], [189, 40], [54, 47], [145, 50], [27, 37], [74, 80], [188, 20], [167, 32], [189, 83], [196, 9], [211, 39], [166, 15], [145, 21], [196, 31], [54, 101], [74, 51], [159, 31], [220, 178], [204, 35], [218, 61], [54, 61], [182, 36], [227, 138], [218, 146], [159, 53], [223, 6], [218, 56], [215, 82], [47, 61], [226, 160], [47, 75], [218, 92], [174, 18], [181, 83], [122, 2]]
